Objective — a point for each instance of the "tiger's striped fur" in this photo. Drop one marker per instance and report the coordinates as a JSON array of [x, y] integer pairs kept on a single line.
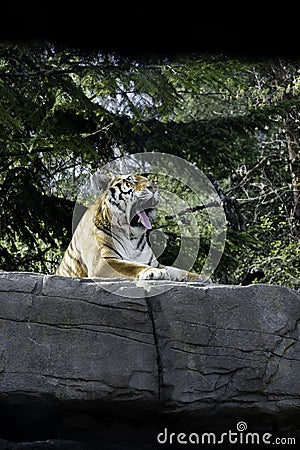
[[111, 240]]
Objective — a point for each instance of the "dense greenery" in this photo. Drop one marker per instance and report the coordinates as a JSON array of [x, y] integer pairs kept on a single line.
[[64, 112]]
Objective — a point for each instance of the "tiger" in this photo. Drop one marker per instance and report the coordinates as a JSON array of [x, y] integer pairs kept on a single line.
[[111, 239]]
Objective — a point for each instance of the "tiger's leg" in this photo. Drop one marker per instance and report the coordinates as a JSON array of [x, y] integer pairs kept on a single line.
[[114, 268], [144, 272], [184, 275]]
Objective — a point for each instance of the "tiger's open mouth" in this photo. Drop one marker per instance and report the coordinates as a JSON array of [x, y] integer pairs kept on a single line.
[[142, 215], [142, 218]]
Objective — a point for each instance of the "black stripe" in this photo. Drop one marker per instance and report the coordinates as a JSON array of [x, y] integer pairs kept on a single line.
[[117, 205], [114, 237], [151, 259], [140, 241], [114, 250], [144, 243], [121, 196], [105, 229], [141, 249], [68, 268], [71, 255], [113, 193]]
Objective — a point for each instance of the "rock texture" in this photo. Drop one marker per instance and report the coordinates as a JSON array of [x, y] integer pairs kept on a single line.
[[80, 358]]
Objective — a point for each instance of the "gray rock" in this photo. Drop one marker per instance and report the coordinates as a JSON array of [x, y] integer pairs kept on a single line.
[[81, 348], [224, 346], [67, 338]]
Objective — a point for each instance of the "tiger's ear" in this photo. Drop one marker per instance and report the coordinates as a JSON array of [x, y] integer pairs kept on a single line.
[[100, 181]]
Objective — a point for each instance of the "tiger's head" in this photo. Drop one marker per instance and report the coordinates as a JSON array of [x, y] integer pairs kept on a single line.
[[132, 202]]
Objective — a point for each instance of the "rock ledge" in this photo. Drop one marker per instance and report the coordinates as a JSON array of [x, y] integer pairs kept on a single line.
[[79, 352]]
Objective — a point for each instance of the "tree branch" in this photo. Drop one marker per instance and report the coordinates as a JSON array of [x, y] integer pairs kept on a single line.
[[190, 210]]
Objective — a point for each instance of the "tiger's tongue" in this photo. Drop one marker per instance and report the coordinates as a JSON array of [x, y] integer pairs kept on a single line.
[[144, 219]]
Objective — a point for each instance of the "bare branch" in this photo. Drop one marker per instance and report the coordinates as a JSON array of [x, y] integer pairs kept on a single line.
[[194, 209]]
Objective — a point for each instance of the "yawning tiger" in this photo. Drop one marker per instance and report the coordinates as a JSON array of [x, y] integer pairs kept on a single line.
[[111, 240]]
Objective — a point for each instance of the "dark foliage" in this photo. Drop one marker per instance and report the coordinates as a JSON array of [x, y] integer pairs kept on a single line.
[[65, 112]]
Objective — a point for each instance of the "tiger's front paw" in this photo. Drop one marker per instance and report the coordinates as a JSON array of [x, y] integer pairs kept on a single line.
[[152, 273], [176, 274]]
